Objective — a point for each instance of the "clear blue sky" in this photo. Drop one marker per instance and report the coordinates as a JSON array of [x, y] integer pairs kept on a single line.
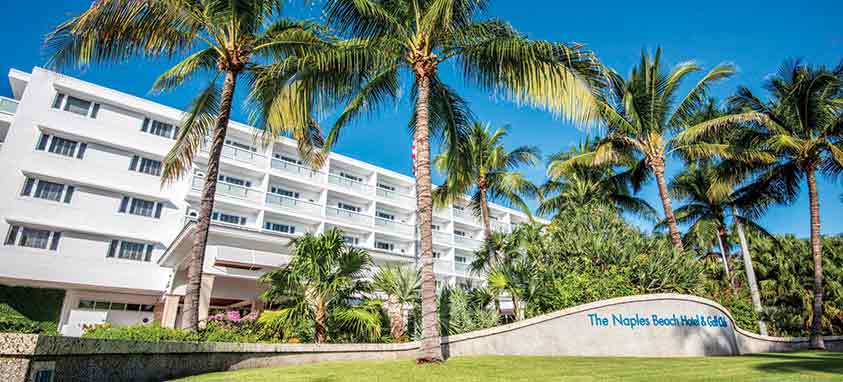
[[755, 35]]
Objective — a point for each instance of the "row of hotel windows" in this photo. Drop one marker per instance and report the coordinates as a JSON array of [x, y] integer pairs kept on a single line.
[[46, 239], [167, 130], [71, 148], [57, 192]]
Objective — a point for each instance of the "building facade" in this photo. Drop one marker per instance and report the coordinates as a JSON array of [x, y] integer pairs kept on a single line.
[[82, 207]]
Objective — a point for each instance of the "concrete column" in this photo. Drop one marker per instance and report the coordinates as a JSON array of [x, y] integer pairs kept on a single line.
[[171, 310], [205, 297]]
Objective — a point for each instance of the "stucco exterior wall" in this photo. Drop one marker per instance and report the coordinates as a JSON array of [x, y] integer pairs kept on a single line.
[[596, 329]]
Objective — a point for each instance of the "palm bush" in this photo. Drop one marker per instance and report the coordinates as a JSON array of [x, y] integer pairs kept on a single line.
[[401, 285]]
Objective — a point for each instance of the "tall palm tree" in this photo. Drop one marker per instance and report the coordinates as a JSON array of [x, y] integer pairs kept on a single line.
[[485, 166], [644, 116], [401, 284], [323, 274], [411, 39], [801, 129], [579, 185], [216, 39]]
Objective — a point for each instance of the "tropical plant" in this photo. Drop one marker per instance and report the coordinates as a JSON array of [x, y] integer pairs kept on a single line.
[[579, 185], [800, 129], [414, 38], [485, 166], [217, 39], [515, 279], [402, 285], [645, 116], [323, 276]]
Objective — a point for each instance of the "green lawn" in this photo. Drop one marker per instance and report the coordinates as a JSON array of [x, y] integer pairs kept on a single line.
[[805, 366]]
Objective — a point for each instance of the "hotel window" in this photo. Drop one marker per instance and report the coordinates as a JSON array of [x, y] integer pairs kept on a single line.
[[287, 159], [61, 146], [108, 305], [159, 128], [228, 218], [129, 250], [436, 227], [459, 208], [235, 181], [281, 191], [76, 105], [384, 215], [384, 246], [437, 255], [348, 207], [145, 165], [386, 187], [351, 177], [140, 207], [240, 145], [33, 238], [284, 228], [460, 259], [351, 240], [43, 189], [459, 233]]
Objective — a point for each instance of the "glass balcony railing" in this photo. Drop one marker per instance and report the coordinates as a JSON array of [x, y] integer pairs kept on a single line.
[[404, 197], [286, 202], [444, 213], [394, 226], [462, 268], [467, 242], [8, 105], [349, 184], [500, 227], [348, 216], [231, 190], [443, 266], [442, 237], [297, 170], [241, 155]]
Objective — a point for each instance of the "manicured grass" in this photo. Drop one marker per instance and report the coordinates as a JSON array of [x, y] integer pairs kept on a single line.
[[804, 366]]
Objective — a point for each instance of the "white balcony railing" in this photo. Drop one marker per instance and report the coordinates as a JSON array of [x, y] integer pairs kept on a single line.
[[394, 226], [349, 216], [465, 216], [241, 155], [8, 105], [398, 196], [500, 227], [444, 213], [443, 266], [297, 205], [442, 237], [462, 268], [467, 242], [231, 190], [349, 184], [298, 170]]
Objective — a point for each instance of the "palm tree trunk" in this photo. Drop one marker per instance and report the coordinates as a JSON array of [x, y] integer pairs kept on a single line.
[[750, 276], [396, 318], [319, 324], [190, 313], [816, 252], [724, 253], [487, 225], [431, 345], [675, 237]]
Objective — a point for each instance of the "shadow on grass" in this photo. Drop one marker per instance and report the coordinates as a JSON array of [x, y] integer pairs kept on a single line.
[[827, 362]]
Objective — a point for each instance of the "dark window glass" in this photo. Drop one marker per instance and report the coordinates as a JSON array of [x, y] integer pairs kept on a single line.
[[63, 146], [34, 238], [142, 207], [131, 251], [77, 106], [49, 190], [150, 166]]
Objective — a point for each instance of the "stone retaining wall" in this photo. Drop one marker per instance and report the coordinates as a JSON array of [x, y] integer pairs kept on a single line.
[[651, 325]]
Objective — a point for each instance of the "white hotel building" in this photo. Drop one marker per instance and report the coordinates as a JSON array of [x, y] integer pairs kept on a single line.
[[82, 207]]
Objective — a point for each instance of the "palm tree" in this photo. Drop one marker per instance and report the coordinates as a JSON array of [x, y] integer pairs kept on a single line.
[[401, 284], [323, 274], [415, 38], [217, 39], [486, 166], [579, 185], [801, 129], [644, 117]]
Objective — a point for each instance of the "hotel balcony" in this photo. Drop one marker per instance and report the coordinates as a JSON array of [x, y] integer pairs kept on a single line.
[[238, 155], [297, 170], [348, 184], [465, 216], [349, 216], [443, 266], [463, 269], [467, 243], [8, 106], [403, 198], [500, 227], [442, 237], [232, 191], [395, 227], [293, 204]]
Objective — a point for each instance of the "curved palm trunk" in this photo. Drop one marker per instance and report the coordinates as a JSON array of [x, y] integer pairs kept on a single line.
[[190, 312], [754, 293], [816, 252], [396, 318], [431, 345], [487, 225], [724, 253], [675, 237]]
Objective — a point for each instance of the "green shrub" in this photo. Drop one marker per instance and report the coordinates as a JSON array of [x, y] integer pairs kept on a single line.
[[30, 310], [147, 333]]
